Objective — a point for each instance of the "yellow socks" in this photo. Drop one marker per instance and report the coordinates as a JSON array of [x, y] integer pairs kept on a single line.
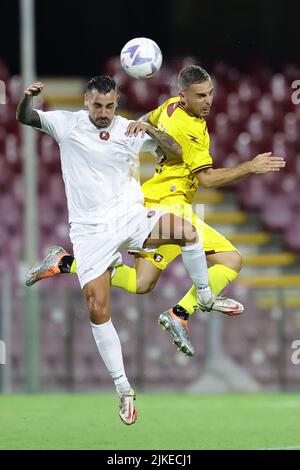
[[125, 278], [219, 276], [73, 267]]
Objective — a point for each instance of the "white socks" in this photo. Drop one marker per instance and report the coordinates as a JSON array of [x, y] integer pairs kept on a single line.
[[110, 350], [194, 260]]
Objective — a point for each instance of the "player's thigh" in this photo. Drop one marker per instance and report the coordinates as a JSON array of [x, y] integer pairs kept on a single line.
[[165, 254], [219, 250], [213, 241], [147, 274], [97, 293], [231, 259], [171, 229], [95, 250], [162, 256]]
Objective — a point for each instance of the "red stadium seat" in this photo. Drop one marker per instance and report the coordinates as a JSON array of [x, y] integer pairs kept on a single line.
[[49, 151], [292, 233], [253, 192], [276, 212], [15, 89], [10, 214]]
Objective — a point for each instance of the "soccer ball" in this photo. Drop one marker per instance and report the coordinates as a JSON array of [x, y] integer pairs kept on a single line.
[[141, 58]]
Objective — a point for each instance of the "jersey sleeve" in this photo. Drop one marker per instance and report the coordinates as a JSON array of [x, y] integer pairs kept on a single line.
[[154, 115], [55, 123], [143, 144]]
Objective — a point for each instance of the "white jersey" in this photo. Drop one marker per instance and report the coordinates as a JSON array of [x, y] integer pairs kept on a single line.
[[100, 167]]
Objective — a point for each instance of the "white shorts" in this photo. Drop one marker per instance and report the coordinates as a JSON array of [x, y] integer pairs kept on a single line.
[[97, 246]]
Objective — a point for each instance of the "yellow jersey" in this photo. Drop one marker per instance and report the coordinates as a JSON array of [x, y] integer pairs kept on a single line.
[[177, 177]]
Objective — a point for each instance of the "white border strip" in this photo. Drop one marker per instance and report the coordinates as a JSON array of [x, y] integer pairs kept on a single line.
[[281, 448]]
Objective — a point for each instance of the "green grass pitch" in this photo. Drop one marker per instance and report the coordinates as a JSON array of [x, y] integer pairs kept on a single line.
[[166, 421]]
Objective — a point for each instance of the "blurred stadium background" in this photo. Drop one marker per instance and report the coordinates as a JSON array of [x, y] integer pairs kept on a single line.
[[49, 345]]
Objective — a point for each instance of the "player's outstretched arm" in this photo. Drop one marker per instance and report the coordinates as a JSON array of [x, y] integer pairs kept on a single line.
[[25, 114], [168, 144], [262, 163]]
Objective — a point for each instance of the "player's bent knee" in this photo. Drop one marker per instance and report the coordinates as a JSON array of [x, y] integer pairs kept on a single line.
[[144, 286], [237, 261], [190, 235], [234, 260]]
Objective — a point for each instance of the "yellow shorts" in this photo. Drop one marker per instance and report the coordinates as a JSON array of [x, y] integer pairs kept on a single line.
[[213, 241]]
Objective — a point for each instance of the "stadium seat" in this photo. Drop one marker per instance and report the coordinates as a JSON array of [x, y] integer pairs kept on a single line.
[[15, 90], [253, 192], [276, 212], [292, 233], [10, 213], [49, 154]]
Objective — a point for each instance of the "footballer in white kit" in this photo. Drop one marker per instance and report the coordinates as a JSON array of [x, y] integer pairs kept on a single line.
[[105, 202]]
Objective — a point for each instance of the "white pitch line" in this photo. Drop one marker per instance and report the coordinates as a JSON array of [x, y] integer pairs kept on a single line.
[[281, 448], [287, 404]]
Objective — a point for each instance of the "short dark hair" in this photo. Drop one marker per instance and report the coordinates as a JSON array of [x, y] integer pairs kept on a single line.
[[103, 83], [192, 74]]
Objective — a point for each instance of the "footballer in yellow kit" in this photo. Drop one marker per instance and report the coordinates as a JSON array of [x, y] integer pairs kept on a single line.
[[174, 183]]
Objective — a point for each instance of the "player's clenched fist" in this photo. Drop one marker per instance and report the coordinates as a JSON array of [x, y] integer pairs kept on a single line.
[[34, 89]]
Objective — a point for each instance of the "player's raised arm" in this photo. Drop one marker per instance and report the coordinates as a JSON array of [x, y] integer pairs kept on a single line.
[[262, 163], [25, 114]]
